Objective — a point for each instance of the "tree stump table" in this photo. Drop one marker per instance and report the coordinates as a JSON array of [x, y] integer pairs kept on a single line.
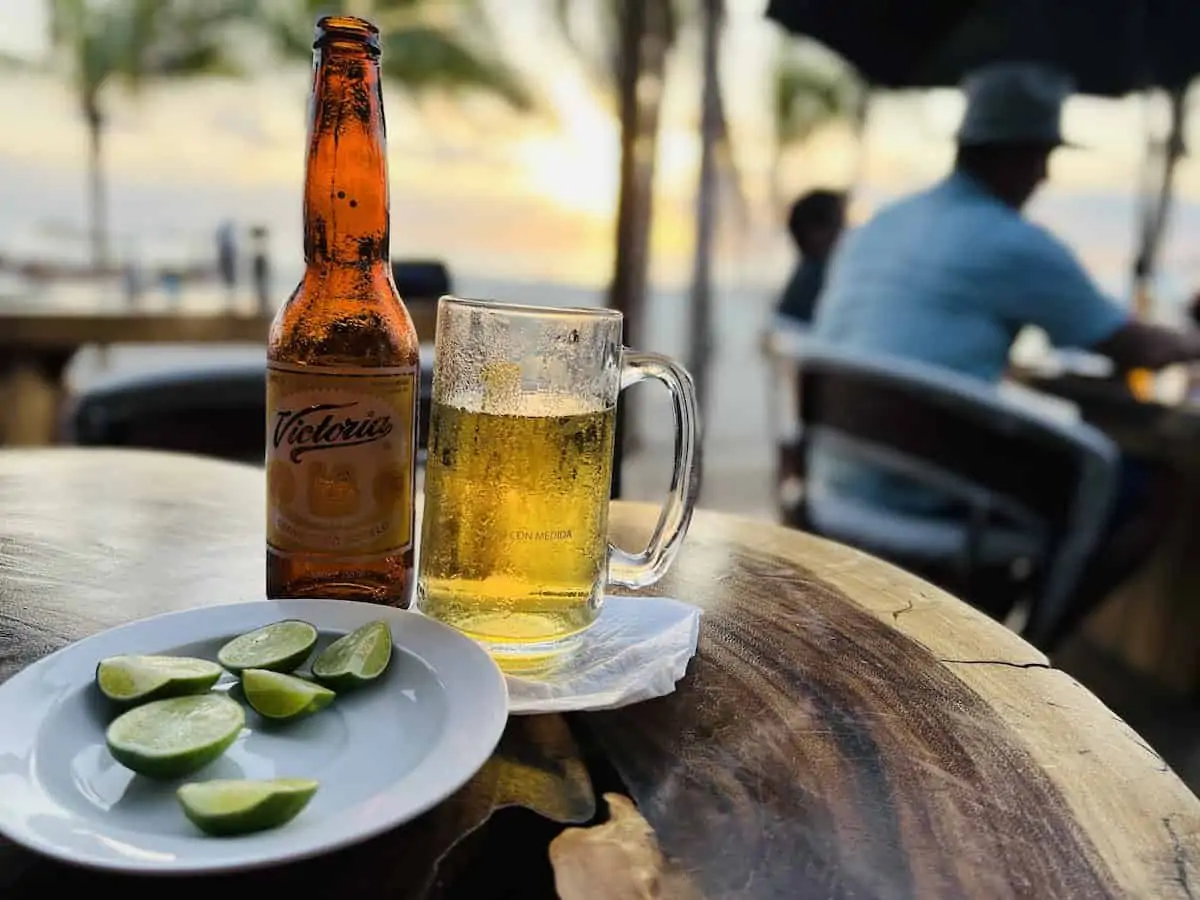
[[846, 730]]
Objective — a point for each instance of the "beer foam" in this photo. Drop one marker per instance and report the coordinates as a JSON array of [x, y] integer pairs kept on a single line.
[[533, 404]]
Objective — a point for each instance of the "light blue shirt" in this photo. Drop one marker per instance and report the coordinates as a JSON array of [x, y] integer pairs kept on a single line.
[[949, 277]]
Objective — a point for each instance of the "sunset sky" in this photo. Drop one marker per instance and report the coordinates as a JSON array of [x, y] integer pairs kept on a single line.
[[519, 196]]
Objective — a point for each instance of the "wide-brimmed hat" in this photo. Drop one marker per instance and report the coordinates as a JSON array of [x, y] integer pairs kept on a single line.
[[1015, 103]]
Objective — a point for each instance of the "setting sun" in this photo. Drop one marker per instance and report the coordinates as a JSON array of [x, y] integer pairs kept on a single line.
[[575, 166]]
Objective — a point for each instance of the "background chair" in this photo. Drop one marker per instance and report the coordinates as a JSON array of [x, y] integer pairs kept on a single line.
[[1034, 491], [212, 408], [421, 281]]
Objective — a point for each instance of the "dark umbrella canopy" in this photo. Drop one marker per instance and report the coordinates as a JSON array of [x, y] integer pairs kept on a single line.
[[1110, 47]]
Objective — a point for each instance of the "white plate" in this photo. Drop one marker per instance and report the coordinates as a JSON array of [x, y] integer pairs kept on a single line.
[[383, 754]]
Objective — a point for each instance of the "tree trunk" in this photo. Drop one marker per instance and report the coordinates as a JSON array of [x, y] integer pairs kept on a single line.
[[97, 199], [700, 344], [1154, 219], [641, 66], [641, 69]]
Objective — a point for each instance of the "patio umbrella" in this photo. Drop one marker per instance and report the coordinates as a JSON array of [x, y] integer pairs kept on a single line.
[[1110, 47]]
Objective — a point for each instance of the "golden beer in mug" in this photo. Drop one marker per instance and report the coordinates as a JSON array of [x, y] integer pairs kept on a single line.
[[514, 542]]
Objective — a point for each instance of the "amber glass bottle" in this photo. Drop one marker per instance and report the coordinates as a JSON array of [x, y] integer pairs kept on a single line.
[[342, 357]]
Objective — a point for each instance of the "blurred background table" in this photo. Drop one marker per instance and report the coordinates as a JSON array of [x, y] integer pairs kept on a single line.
[[37, 342], [845, 730], [36, 346], [1153, 622]]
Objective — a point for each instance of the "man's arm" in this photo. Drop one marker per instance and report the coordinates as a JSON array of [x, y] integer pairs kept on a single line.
[[1138, 345], [1052, 291]]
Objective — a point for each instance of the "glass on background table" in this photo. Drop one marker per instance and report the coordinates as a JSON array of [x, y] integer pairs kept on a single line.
[[1152, 622]]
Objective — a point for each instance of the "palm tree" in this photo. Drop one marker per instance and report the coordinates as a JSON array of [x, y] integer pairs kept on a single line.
[[717, 170], [635, 39], [127, 42], [806, 98], [630, 62], [713, 138], [429, 44]]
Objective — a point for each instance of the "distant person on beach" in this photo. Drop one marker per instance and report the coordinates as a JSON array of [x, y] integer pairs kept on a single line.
[[261, 265], [815, 222], [227, 256], [950, 276]]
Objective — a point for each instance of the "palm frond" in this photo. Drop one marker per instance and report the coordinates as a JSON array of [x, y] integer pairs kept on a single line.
[[67, 20], [427, 44], [805, 98], [184, 37], [599, 47], [97, 53], [139, 39], [421, 57], [290, 35], [565, 13]]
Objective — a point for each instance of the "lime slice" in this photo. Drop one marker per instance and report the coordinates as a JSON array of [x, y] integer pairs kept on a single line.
[[279, 696], [355, 658], [280, 647], [169, 738], [139, 679], [234, 806]]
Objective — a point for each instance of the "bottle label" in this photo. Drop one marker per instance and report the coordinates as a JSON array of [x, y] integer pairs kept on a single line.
[[341, 445]]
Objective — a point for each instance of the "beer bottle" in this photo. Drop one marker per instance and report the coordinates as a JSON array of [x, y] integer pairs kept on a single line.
[[342, 357]]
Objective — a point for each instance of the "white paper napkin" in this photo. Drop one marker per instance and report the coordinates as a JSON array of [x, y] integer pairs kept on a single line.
[[637, 649]]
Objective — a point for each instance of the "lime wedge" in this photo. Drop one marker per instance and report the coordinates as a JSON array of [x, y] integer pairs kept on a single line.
[[139, 679], [169, 738], [280, 647], [234, 806], [279, 696], [355, 658]]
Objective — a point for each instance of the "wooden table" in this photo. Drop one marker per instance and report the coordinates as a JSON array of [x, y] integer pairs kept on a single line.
[[845, 731], [1151, 623], [36, 345]]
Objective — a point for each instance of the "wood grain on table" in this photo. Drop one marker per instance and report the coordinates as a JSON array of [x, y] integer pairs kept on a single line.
[[845, 731]]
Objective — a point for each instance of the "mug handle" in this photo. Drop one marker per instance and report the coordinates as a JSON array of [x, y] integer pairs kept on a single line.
[[638, 570]]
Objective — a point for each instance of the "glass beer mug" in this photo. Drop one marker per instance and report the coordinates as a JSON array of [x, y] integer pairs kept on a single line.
[[514, 541]]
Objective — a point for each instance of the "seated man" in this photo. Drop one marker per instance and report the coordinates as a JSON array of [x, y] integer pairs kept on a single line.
[[951, 275], [815, 222]]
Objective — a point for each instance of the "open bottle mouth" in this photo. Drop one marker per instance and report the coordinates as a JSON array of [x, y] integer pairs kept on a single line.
[[348, 29]]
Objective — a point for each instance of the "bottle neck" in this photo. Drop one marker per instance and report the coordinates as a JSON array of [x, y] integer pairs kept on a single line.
[[346, 180]]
